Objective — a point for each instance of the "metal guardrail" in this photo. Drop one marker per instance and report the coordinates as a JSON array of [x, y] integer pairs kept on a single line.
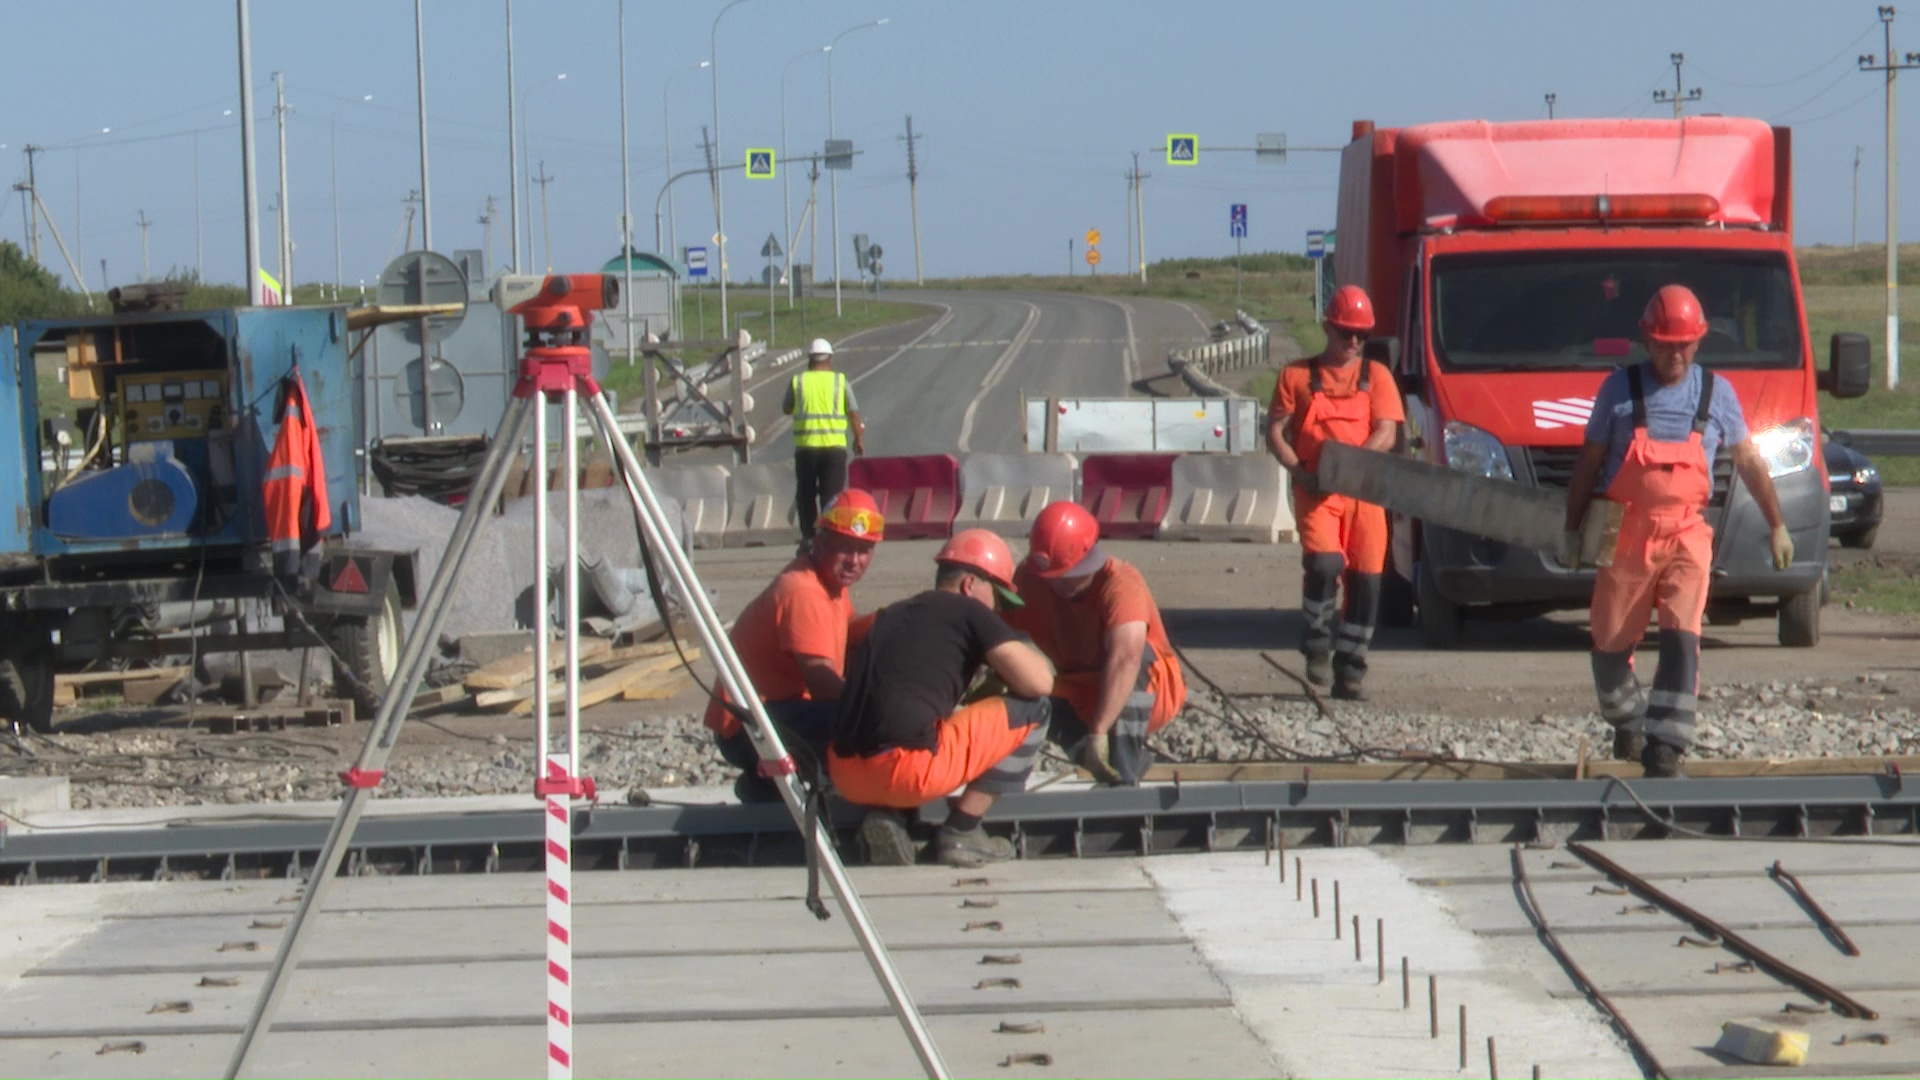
[[1200, 363], [1881, 442]]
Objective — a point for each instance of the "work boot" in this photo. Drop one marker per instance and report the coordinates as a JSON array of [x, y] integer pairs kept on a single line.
[[1350, 686], [883, 835], [1319, 669], [1628, 745], [972, 848], [1661, 760], [754, 788]]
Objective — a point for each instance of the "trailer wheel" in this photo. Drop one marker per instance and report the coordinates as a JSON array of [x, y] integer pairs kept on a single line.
[[26, 686], [368, 651], [1800, 619], [1443, 623], [1396, 601]]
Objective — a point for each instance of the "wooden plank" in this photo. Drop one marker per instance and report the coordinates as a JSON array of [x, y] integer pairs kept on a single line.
[[1202, 772], [613, 683], [659, 689], [114, 678], [511, 671], [500, 699]]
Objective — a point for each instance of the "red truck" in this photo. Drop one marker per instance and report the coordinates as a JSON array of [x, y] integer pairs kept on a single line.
[[1508, 265]]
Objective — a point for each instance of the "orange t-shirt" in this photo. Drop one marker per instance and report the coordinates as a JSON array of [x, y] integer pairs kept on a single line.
[[1073, 632], [1293, 391], [794, 616]]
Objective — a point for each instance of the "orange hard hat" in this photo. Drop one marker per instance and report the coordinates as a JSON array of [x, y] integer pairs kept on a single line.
[[1674, 315], [853, 513], [1349, 308], [985, 553], [1063, 542]]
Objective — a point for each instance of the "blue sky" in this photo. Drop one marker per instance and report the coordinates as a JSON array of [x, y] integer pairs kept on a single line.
[[1030, 113]]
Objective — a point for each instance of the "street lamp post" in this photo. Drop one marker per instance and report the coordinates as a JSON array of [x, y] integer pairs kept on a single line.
[[333, 167], [666, 121], [833, 182], [786, 177], [719, 203]]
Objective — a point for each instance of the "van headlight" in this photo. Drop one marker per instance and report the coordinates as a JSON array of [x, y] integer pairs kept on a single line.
[[1786, 449], [1471, 450]]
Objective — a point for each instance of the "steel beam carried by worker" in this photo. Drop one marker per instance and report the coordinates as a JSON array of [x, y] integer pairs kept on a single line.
[[793, 640], [1338, 396], [1117, 679], [903, 736]]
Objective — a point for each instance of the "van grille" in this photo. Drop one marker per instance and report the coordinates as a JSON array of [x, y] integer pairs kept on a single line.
[[1553, 467]]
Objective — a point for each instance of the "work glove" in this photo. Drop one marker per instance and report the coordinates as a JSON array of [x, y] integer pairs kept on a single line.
[[1782, 546], [1569, 553], [1096, 757]]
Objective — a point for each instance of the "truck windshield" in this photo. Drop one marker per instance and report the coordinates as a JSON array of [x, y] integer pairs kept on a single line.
[[1558, 310]]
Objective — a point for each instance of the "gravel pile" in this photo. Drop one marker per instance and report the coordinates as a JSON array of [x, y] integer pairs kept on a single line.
[[1866, 716]]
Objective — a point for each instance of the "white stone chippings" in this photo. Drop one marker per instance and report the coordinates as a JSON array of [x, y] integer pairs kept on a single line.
[[1320, 1013]]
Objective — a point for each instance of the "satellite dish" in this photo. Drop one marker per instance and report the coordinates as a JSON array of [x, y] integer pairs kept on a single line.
[[424, 277]]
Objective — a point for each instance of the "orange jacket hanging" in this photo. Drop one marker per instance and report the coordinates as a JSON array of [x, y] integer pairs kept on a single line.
[[295, 494]]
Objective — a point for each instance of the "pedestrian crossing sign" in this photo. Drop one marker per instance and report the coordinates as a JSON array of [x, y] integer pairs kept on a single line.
[[1183, 149], [760, 164]]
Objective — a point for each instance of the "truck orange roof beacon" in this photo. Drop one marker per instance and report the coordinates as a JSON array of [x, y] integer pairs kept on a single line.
[[1509, 265]]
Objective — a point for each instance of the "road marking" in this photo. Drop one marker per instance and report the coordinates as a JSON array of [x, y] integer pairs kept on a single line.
[[1132, 356], [995, 373], [946, 316]]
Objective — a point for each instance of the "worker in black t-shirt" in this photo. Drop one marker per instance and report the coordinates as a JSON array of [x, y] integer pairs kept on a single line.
[[902, 738]]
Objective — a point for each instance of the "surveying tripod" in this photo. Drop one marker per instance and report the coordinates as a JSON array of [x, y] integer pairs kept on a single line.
[[558, 311]]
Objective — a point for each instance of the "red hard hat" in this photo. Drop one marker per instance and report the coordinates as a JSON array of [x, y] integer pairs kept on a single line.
[[1063, 536], [853, 513], [1674, 315], [978, 549], [1349, 308]]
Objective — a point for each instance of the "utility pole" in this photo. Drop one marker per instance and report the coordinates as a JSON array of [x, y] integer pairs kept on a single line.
[[1551, 98], [486, 242], [717, 263], [286, 244], [1680, 96], [1070, 252], [199, 254], [913, 196], [1856, 197], [412, 200], [144, 225], [426, 190], [546, 227], [1890, 67], [333, 168], [1140, 216], [1130, 197], [513, 163], [33, 191]]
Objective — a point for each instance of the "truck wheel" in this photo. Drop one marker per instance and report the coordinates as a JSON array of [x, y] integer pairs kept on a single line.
[[1443, 623], [26, 687], [1800, 620], [369, 646], [1861, 539], [1396, 601]]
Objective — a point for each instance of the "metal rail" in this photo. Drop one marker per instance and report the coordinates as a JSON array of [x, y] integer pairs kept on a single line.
[[1810, 984], [1538, 916], [1161, 819]]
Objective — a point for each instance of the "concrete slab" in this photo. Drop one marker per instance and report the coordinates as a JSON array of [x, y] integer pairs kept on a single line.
[[21, 796], [1682, 1030]]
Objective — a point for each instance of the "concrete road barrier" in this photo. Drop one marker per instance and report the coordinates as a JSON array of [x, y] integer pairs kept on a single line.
[[918, 495], [760, 506], [701, 491], [1127, 493], [1004, 492], [1240, 497]]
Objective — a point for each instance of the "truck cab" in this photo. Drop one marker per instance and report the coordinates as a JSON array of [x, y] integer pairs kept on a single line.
[[1509, 264]]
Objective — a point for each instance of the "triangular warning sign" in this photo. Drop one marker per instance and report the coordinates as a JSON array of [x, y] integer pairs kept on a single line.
[[349, 578]]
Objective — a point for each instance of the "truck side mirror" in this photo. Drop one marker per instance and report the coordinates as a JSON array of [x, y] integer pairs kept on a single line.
[[1849, 366]]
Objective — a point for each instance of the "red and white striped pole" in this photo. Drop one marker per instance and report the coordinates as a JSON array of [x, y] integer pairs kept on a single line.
[[559, 819]]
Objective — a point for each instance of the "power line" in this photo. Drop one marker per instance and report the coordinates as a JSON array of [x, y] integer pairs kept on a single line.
[[1803, 76]]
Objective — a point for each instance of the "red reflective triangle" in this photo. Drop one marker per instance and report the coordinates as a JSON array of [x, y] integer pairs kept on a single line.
[[349, 578]]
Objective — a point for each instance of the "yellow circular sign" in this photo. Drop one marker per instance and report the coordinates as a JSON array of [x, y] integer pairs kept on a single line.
[[1093, 256], [1093, 237]]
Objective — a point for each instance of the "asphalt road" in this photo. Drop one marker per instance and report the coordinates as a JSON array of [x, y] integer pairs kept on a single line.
[[952, 381]]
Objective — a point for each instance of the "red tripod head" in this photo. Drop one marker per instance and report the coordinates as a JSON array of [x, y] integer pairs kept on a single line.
[[557, 310]]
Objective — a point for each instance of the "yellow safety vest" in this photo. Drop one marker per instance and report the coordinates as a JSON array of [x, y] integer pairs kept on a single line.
[[819, 409]]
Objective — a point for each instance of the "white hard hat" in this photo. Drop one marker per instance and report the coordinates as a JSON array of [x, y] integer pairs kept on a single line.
[[820, 347]]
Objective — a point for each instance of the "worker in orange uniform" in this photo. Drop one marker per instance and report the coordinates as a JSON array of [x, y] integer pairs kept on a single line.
[[1337, 396], [792, 640], [903, 737], [1650, 445], [1117, 679]]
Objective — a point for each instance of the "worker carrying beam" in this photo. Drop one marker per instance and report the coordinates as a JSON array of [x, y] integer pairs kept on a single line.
[[793, 638], [903, 737], [825, 415], [1650, 445], [1092, 614], [1337, 396]]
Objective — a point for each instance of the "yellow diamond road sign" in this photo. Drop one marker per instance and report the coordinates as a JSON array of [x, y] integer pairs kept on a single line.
[[1183, 149], [1093, 237], [760, 163]]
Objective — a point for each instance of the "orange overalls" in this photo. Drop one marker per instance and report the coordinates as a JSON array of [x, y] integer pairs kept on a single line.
[[1663, 560], [294, 490], [1338, 534]]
